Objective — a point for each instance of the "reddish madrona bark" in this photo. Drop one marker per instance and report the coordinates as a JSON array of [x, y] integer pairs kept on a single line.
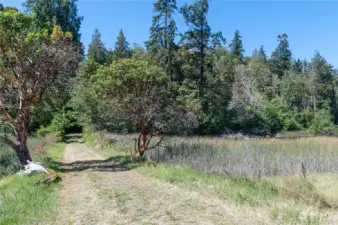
[[20, 124], [145, 136]]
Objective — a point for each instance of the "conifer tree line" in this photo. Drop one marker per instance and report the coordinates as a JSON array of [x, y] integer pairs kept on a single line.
[[226, 91], [192, 81]]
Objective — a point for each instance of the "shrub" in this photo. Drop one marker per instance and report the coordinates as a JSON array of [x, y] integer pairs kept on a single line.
[[305, 117], [9, 162], [62, 120], [322, 123], [274, 121]]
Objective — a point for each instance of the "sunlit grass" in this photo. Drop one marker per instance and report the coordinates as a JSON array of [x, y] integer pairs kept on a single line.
[[56, 151], [24, 202]]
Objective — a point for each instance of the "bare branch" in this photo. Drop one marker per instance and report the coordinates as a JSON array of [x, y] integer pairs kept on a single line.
[[157, 144]]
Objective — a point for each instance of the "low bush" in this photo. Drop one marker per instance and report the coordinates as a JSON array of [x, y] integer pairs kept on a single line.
[[9, 162], [63, 120], [322, 123]]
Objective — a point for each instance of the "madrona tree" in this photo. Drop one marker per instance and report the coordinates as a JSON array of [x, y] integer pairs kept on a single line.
[[30, 64], [137, 89], [56, 12]]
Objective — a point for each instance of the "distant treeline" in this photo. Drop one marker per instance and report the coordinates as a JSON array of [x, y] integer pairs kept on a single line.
[[207, 81]]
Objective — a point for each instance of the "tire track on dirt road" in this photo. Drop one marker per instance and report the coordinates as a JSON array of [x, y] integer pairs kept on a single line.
[[99, 191]]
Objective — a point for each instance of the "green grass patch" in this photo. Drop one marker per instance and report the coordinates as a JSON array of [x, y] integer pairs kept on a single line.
[[24, 202], [317, 190], [56, 151], [241, 190]]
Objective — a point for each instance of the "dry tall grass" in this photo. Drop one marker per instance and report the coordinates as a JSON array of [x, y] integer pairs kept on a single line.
[[252, 158]]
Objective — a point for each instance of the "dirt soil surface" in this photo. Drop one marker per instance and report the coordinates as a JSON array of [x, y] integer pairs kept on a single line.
[[99, 191]]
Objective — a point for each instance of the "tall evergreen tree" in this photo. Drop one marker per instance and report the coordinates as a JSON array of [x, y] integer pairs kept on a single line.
[[1, 7], [57, 12], [280, 61], [161, 45], [163, 29], [321, 73], [260, 54], [122, 46], [197, 37], [236, 47], [297, 66], [97, 51]]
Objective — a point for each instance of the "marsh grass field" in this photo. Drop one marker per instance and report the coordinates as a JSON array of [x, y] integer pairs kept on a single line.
[[252, 158]]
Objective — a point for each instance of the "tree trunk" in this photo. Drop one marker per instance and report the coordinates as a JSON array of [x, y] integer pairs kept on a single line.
[[334, 105], [22, 149], [166, 26], [201, 84], [142, 143]]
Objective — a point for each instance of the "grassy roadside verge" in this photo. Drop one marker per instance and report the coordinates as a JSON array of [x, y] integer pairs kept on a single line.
[[287, 200], [23, 202]]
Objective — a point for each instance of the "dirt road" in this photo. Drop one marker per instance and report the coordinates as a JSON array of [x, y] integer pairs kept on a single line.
[[99, 191]]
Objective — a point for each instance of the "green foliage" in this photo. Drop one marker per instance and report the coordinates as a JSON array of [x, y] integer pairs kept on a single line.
[[260, 54], [236, 47], [9, 162], [261, 75], [163, 29], [280, 61], [122, 46], [135, 87], [321, 74], [196, 41], [62, 120], [306, 116], [49, 13], [322, 123], [161, 46], [127, 78], [296, 90], [96, 50], [219, 89], [33, 63], [273, 118]]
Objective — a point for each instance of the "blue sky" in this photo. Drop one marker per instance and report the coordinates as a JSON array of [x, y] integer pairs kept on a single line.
[[311, 25]]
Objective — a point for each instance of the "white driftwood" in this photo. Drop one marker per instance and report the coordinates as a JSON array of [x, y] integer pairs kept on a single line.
[[32, 167]]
